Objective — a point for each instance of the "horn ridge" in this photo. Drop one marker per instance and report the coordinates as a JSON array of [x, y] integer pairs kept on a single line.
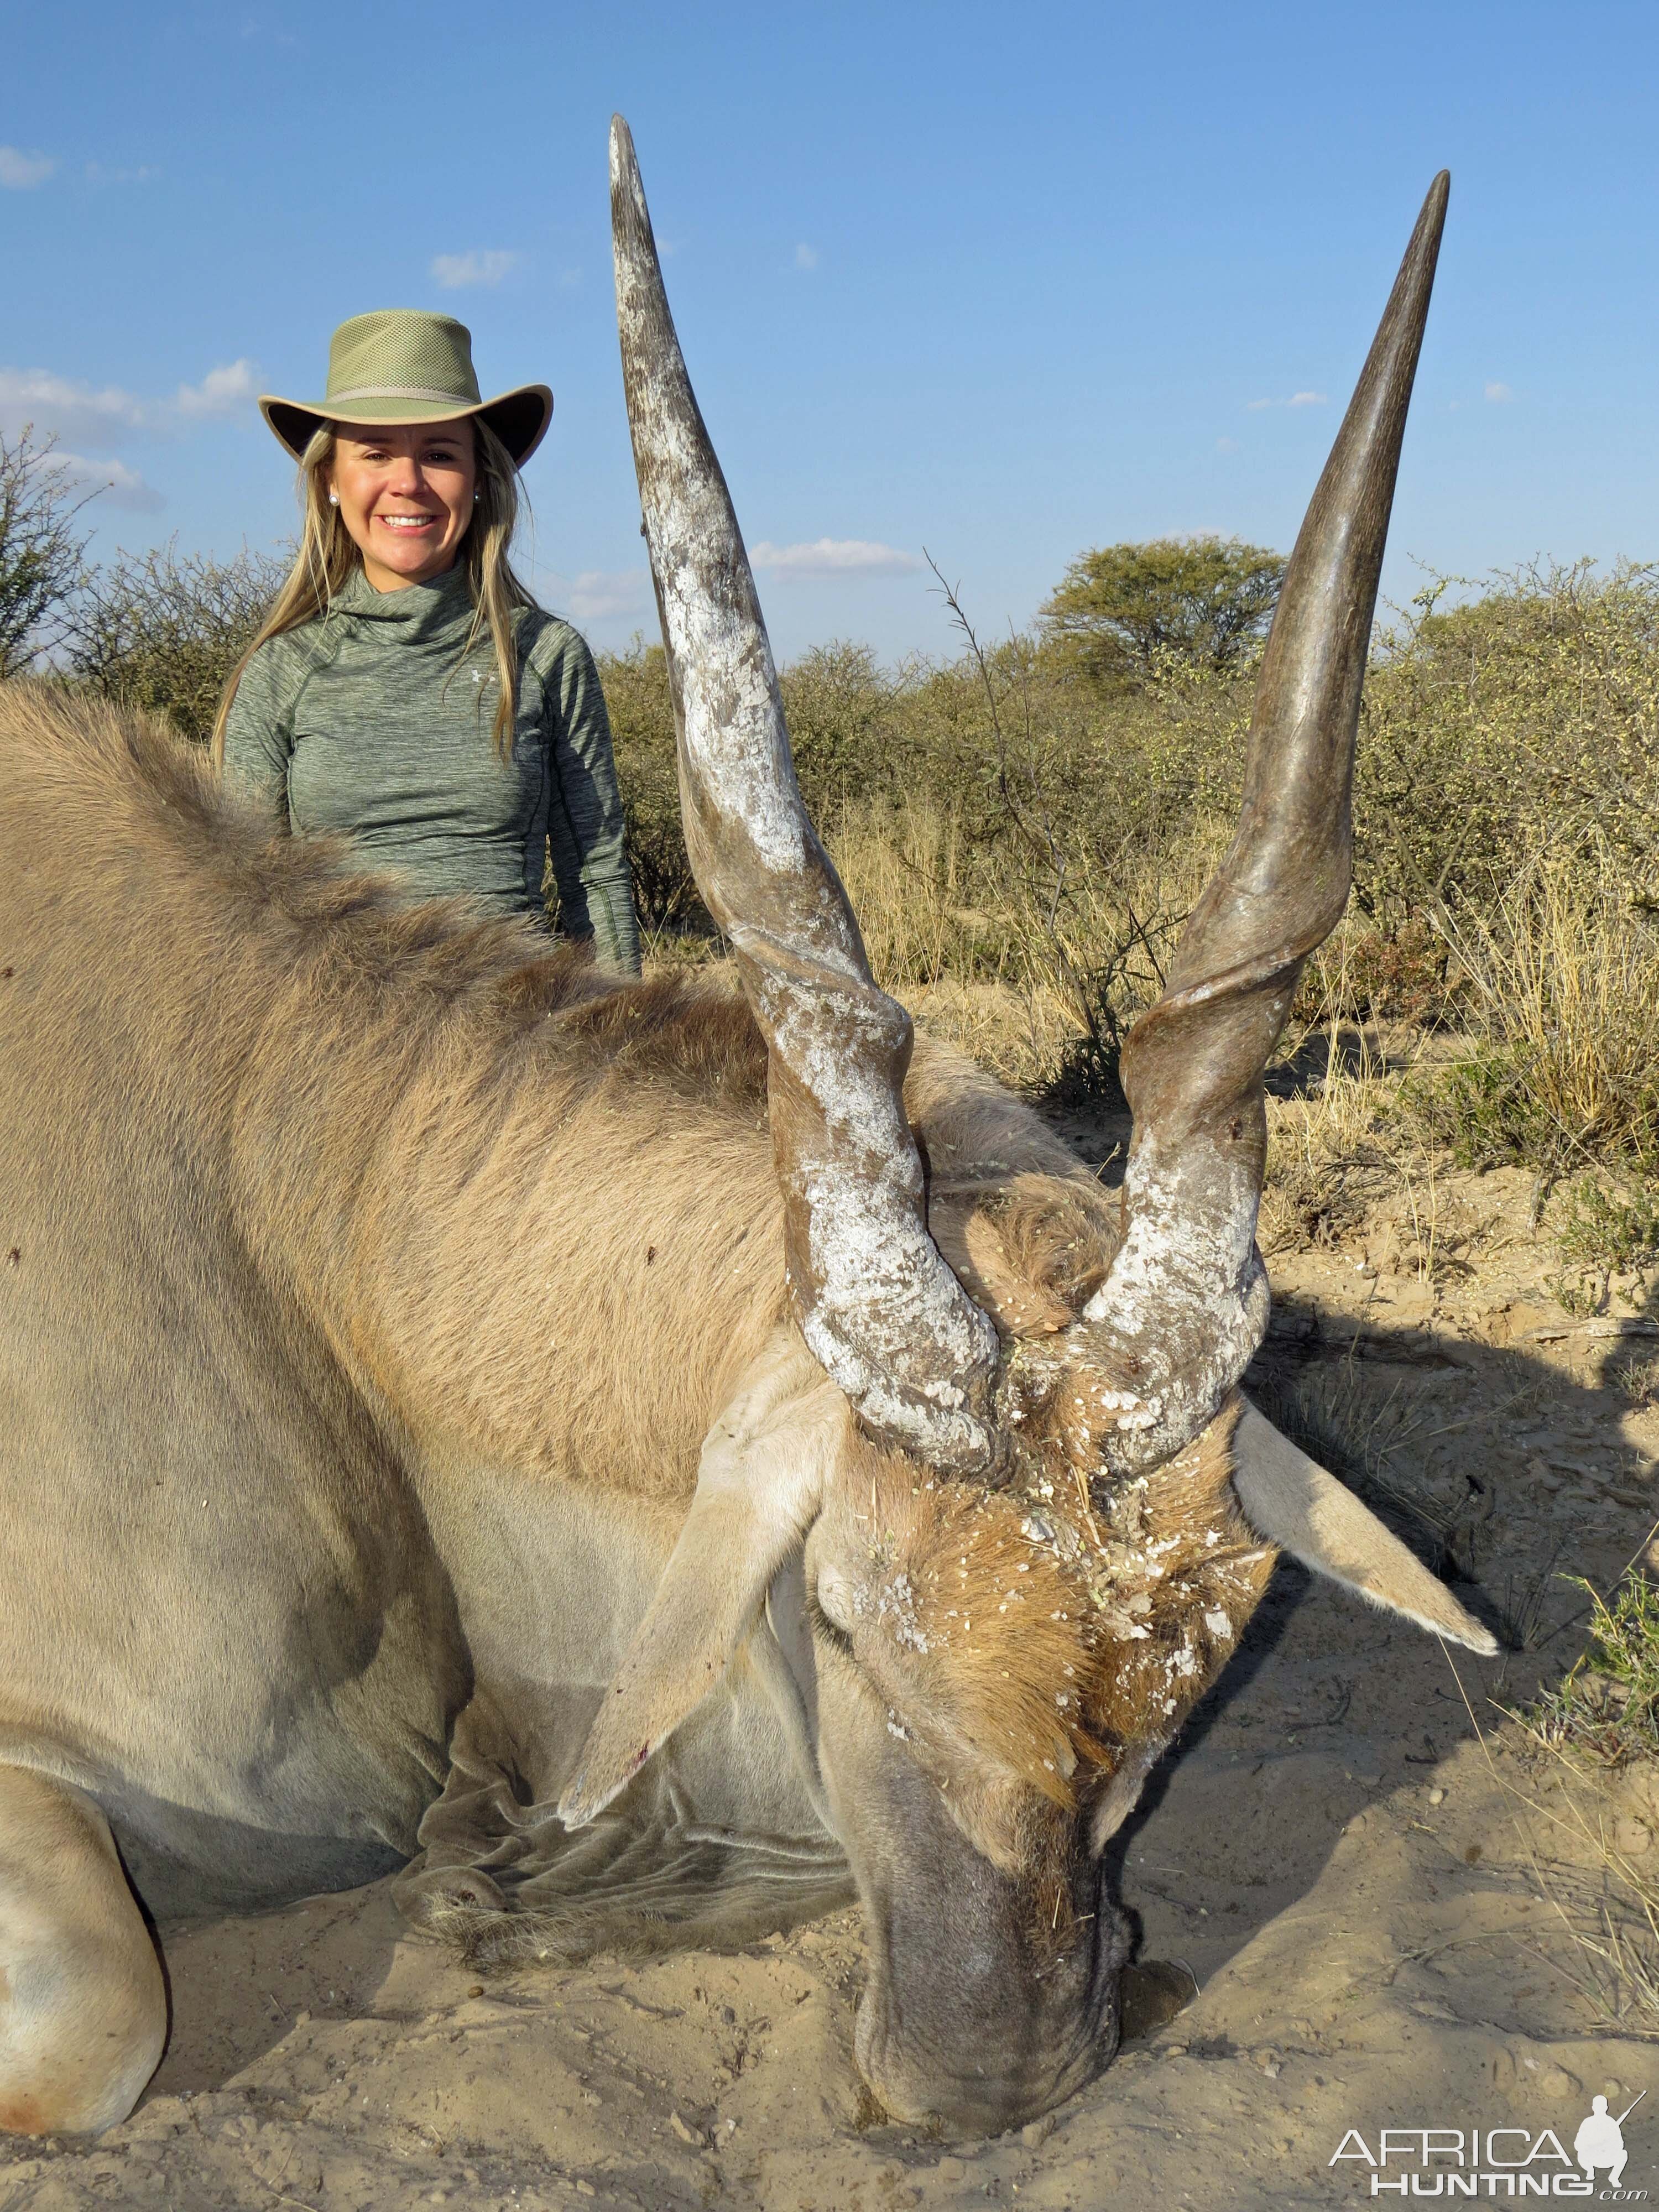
[[877, 1304], [1184, 1303], [1291, 850]]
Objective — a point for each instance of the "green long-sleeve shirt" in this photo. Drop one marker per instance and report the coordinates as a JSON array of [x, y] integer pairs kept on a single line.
[[370, 721]]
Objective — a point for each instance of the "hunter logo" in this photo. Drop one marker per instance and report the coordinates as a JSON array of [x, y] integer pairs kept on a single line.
[[1495, 2162]]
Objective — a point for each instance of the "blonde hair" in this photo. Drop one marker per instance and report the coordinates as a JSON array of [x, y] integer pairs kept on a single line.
[[329, 553]]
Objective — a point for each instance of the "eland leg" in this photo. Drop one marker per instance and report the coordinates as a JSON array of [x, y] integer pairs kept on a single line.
[[83, 2010]]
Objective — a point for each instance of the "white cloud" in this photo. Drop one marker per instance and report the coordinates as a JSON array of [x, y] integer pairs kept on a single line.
[[265, 31], [1256, 406], [454, 271], [599, 595], [21, 171], [221, 392], [96, 418], [1500, 392], [1226, 445], [834, 557], [146, 173], [1306, 399], [116, 485], [806, 257], [71, 410]]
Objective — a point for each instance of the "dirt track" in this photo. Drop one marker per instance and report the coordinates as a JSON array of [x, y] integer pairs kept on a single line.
[[1370, 1897]]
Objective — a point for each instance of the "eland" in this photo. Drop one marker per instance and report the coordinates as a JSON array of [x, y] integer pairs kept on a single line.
[[638, 1462]]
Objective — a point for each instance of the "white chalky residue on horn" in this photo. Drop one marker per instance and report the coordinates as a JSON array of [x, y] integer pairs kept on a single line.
[[1175, 1254], [1169, 1241], [733, 713], [881, 1308], [866, 1114]]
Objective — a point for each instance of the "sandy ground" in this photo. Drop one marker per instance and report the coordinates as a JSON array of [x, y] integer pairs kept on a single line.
[[1376, 1891]]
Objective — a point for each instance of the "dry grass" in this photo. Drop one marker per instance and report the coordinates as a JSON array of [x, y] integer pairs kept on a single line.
[[1029, 967], [1604, 1904], [1342, 1158], [1603, 1898], [1567, 974], [1328, 1160], [1597, 1730]]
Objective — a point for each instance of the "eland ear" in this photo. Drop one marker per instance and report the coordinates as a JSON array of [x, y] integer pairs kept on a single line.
[[1292, 1501], [759, 1482]]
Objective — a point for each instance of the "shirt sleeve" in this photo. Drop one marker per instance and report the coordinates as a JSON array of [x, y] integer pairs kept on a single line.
[[585, 832], [259, 732]]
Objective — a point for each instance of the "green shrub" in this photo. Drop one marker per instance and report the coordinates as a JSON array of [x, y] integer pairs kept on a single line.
[[1607, 1709], [1606, 1229], [164, 629], [1524, 716], [42, 546], [642, 731], [1481, 1109]]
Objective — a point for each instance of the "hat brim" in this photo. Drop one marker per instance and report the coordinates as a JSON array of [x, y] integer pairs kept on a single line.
[[518, 418]]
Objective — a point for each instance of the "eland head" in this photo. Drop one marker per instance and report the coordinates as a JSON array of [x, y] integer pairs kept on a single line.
[[993, 1495]]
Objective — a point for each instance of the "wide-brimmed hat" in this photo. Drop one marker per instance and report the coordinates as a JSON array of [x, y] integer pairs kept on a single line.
[[400, 365]]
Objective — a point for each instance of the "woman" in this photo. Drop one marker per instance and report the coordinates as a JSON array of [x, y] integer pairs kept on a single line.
[[405, 688]]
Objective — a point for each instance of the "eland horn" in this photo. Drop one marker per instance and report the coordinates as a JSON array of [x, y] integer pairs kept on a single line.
[[877, 1304], [1185, 1302]]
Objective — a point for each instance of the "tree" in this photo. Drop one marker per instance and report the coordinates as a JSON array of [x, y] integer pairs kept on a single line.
[[1121, 609], [41, 551], [164, 629]]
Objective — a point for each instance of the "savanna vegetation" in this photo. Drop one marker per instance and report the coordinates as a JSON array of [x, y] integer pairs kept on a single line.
[[1023, 823], [42, 548]]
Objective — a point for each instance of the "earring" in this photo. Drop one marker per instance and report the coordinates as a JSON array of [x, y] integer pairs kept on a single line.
[[334, 499]]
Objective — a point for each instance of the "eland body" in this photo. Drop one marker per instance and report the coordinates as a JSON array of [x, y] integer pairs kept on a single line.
[[453, 1406]]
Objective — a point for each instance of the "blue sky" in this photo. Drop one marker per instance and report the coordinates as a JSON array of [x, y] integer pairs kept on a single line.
[[999, 283]]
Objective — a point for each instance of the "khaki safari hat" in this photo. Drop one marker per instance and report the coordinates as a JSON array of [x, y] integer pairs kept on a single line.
[[401, 365]]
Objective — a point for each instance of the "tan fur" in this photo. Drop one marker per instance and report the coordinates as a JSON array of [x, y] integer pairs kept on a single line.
[[1032, 1249], [1002, 1622], [977, 1134], [417, 1107], [83, 2006]]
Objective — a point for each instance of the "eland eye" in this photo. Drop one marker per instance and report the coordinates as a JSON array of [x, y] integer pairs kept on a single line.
[[833, 1603], [825, 1630]]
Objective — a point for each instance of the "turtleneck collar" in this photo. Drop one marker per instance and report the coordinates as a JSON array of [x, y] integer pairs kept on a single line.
[[431, 609]]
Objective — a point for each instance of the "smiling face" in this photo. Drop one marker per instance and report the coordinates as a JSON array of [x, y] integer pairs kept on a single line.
[[405, 493]]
